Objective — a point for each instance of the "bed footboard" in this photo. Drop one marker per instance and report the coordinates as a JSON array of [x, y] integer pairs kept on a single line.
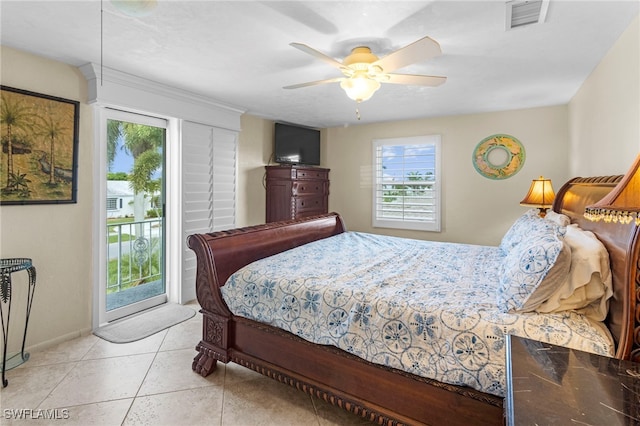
[[220, 254]]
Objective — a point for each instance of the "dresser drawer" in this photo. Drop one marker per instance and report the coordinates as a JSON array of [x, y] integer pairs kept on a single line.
[[307, 204], [308, 188], [310, 173]]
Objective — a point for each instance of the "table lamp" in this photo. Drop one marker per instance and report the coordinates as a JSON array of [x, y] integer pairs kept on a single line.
[[540, 195]]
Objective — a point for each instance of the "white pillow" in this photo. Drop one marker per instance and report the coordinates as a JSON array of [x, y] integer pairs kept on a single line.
[[558, 218], [588, 286]]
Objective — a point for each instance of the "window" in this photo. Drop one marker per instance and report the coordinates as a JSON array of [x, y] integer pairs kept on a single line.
[[406, 188], [112, 204]]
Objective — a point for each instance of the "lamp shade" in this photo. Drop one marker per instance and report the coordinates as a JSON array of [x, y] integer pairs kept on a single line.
[[360, 87], [622, 204], [540, 195]]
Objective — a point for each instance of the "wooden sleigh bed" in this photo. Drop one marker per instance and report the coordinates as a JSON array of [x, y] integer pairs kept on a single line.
[[381, 394]]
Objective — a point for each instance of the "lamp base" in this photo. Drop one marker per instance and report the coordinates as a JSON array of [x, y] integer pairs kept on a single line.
[[542, 211]]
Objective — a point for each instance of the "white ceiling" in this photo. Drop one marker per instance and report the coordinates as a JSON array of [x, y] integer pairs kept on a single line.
[[238, 52]]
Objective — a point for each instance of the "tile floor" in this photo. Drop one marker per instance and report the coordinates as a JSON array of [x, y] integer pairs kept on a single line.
[[89, 381]]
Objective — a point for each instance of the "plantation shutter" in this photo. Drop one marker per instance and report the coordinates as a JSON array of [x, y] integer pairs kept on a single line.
[[208, 189], [224, 179]]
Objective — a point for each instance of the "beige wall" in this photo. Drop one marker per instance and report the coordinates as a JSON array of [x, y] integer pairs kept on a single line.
[[604, 116], [475, 209], [254, 150], [57, 237]]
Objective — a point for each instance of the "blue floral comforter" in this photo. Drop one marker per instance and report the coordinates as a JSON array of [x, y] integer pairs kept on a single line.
[[427, 308]]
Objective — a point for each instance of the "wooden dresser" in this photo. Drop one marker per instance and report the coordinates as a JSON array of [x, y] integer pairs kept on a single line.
[[296, 191]]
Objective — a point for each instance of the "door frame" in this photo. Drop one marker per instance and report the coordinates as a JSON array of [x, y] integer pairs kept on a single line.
[[100, 316]]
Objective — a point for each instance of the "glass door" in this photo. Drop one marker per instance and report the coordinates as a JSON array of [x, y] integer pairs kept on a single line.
[[135, 228]]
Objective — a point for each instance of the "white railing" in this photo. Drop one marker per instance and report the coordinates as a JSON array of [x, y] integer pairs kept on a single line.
[[135, 254]]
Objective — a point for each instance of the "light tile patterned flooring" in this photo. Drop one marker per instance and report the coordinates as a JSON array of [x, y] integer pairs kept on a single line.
[[150, 382]]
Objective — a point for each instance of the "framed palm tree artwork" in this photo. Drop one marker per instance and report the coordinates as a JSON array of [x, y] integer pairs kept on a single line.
[[39, 155]]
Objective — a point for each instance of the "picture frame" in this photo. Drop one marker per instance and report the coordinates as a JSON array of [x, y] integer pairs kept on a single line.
[[38, 148], [498, 156]]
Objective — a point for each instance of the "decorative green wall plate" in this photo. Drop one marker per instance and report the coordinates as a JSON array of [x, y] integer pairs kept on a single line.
[[498, 156]]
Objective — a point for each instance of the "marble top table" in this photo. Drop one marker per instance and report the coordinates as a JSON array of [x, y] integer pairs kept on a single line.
[[552, 385]]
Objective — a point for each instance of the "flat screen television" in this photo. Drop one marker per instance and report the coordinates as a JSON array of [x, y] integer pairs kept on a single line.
[[296, 145]]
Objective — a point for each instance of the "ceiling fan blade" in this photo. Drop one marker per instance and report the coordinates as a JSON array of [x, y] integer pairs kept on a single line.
[[319, 55], [314, 83], [415, 80], [418, 51]]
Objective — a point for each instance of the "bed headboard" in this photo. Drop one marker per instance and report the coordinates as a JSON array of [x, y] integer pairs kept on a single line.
[[623, 244]]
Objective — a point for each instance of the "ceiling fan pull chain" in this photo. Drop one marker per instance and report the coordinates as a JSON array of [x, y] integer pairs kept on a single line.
[[357, 113]]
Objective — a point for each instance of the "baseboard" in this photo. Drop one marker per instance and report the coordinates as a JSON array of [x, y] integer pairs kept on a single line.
[[57, 340]]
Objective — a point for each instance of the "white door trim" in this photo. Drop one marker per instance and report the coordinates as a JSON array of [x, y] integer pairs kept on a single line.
[[100, 314]]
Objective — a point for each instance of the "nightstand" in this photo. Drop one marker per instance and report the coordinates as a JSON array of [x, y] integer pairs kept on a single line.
[[552, 385]]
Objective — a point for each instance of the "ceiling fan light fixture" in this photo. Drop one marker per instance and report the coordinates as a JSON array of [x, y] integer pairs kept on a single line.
[[360, 56], [360, 87], [364, 72]]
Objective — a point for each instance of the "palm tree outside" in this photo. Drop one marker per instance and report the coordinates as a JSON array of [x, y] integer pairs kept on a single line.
[[144, 143]]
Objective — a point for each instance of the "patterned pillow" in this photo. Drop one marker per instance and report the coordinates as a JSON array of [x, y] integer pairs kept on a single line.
[[526, 224], [533, 269], [559, 218]]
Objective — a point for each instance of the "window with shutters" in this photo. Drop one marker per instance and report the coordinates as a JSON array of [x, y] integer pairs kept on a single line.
[[406, 187]]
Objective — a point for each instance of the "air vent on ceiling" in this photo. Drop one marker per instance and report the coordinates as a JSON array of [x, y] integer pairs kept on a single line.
[[525, 12]]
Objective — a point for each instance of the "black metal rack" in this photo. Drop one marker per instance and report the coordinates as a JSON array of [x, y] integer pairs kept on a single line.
[[7, 267]]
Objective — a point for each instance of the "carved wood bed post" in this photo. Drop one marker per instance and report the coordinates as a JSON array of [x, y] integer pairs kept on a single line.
[[215, 315]]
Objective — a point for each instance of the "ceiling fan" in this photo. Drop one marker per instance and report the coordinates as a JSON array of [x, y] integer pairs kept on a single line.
[[363, 71]]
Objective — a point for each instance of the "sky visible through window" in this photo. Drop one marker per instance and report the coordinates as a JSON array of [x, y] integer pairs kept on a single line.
[[408, 162], [122, 162]]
